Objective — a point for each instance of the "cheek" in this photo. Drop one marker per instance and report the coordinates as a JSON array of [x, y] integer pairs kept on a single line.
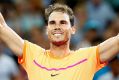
[[49, 31], [68, 33], [49, 34]]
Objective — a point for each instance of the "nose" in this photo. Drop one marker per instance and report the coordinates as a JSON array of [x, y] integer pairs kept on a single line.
[[57, 28]]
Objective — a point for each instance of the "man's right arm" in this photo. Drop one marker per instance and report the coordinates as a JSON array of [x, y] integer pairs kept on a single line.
[[12, 39]]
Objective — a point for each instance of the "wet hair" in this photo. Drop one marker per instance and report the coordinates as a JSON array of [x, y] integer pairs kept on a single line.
[[59, 8]]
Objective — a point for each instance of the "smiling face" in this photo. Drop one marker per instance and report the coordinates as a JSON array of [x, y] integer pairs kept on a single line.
[[59, 28]]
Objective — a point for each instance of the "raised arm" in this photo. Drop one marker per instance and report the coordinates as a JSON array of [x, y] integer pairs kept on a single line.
[[14, 41], [109, 48]]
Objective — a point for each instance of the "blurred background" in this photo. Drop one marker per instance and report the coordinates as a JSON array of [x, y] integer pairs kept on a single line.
[[95, 20]]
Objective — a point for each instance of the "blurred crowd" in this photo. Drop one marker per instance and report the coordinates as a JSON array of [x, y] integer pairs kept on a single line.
[[95, 21]]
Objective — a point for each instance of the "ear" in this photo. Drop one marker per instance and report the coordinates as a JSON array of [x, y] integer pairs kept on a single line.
[[73, 29]]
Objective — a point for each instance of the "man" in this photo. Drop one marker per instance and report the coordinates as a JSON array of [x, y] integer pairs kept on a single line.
[[59, 62]]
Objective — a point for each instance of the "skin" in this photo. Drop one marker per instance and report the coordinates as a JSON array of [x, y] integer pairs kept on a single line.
[[58, 23]]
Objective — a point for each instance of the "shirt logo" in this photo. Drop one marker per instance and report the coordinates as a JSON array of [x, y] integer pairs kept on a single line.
[[53, 75]]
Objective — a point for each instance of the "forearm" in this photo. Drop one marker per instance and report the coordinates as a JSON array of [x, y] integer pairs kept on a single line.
[[109, 48], [13, 41]]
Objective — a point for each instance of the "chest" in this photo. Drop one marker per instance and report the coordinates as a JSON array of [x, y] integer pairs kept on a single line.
[[67, 70]]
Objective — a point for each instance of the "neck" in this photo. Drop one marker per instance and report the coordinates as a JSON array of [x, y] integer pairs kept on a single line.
[[59, 51]]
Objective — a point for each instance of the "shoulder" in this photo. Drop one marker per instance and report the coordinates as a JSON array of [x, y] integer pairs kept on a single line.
[[32, 46], [87, 48], [87, 51]]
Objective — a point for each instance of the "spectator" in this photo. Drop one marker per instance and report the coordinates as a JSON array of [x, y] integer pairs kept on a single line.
[[100, 11], [8, 68]]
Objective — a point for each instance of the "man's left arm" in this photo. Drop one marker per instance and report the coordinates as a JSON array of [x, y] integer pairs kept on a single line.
[[109, 48]]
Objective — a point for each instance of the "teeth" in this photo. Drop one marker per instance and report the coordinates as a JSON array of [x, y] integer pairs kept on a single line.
[[57, 34]]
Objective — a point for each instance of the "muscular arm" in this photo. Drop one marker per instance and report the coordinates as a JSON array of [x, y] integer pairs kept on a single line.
[[14, 42], [109, 48]]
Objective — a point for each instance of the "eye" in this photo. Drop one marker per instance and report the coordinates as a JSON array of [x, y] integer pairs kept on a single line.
[[63, 22], [51, 22]]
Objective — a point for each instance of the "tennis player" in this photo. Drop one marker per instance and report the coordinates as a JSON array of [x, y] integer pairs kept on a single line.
[[59, 62]]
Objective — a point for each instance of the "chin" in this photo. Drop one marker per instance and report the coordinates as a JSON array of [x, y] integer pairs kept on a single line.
[[59, 42]]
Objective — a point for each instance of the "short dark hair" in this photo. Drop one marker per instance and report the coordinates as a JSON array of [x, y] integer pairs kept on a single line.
[[60, 8]]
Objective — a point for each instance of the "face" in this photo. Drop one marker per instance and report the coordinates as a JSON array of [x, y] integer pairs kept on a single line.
[[59, 27]]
